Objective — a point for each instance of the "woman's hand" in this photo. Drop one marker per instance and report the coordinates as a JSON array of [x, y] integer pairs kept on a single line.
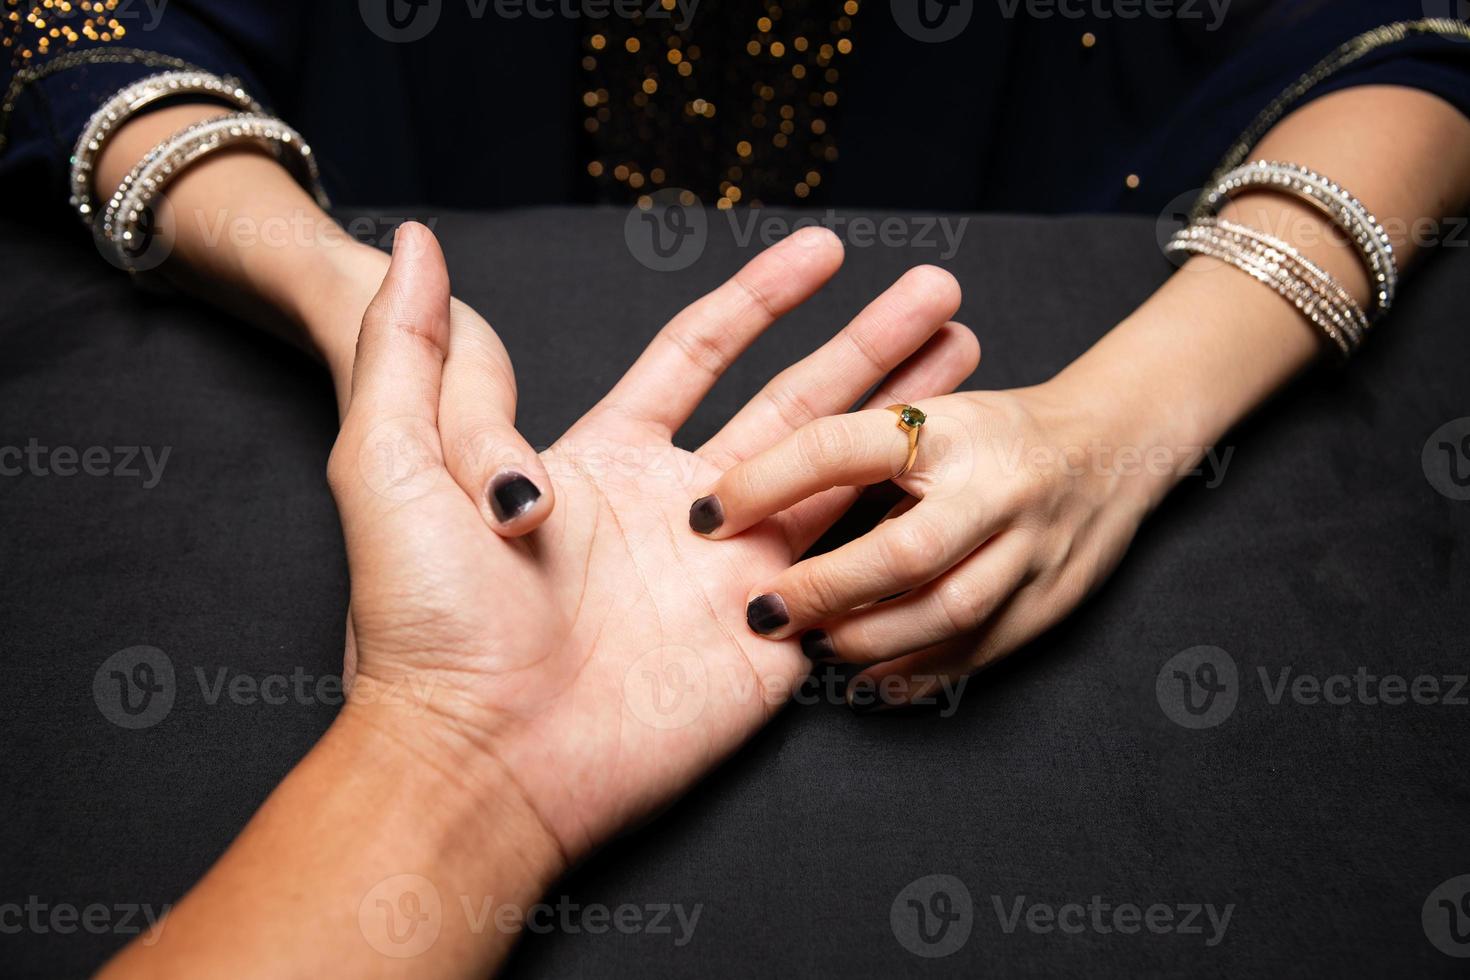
[[1021, 503]]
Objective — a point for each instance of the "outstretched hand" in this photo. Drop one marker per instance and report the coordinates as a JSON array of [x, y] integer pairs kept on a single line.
[[603, 662]]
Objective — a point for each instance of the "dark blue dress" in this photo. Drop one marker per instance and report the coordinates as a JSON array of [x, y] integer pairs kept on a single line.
[[1031, 106]]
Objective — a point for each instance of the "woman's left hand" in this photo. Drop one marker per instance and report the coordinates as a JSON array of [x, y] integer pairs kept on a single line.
[[1021, 502]]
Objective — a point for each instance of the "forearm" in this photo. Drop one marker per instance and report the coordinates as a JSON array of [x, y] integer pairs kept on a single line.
[[243, 234], [375, 856], [1213, 344]]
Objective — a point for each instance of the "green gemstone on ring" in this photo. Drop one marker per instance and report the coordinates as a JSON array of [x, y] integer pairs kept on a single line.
[[912, 417]]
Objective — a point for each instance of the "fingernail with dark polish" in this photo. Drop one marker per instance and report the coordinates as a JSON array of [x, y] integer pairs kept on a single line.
[[767, 613], [706, 514], [817, 645], [511, 495]]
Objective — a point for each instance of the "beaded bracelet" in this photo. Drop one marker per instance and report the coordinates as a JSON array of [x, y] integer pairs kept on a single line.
[[130, 101], [1345, 210], [121, 223], [1315, 293]]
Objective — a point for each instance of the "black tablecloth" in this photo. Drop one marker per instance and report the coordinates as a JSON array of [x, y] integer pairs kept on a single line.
[[1062, 777]]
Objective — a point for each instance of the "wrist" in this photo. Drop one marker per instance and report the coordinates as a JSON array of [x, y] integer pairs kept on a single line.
[[478, 806], [1129, 428], [332, 315], [325, 288]]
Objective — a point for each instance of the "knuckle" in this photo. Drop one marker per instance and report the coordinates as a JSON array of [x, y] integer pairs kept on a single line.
[[790, 404], [701, 346], [479, 447], [959, 605], [858, 642], [339, 469], [820, 590], [391, 314], [867, 349], [823, 445], [398, 459], [912, 550], [1022, 493]]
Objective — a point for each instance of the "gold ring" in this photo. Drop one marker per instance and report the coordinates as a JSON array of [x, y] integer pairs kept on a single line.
[[910, 419]]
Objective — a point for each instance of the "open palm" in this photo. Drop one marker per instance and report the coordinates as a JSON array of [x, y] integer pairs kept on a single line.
[[604, 660]]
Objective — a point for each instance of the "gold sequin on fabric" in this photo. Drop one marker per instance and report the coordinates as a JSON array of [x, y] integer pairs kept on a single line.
[[34, 31], [738, 105]]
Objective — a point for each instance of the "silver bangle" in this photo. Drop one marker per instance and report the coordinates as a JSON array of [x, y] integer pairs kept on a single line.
[[1345, 210], [128, 102], [1314, 297], [1274, 250], [121, 223]]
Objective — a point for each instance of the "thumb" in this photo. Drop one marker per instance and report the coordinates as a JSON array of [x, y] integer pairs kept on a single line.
[[389, 448], [405, 335]]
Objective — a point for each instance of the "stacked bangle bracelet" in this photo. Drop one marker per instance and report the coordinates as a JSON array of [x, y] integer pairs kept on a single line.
[[1345, 210], [127, 103], [121, 225], [1319, 297], [122, 220], [1281, 266]]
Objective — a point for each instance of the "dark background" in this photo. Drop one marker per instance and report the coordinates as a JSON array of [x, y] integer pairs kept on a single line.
[[1058, 778]]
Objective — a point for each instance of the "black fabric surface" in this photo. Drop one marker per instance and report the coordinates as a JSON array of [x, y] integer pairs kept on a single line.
[[1059, 777]]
